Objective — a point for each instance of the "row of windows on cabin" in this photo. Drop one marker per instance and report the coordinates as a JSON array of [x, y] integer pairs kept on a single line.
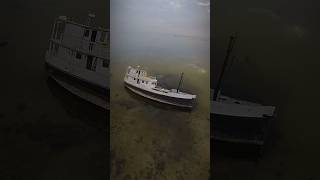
[[58, 30], [142, 81], [105, 62], [146, 82], [91, 63], [103, 35]]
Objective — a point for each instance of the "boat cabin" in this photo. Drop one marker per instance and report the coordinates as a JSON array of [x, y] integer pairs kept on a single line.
[[139, 76], [81, 50]]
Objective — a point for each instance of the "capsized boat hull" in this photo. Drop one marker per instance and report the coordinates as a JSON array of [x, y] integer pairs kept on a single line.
[[184, 103]]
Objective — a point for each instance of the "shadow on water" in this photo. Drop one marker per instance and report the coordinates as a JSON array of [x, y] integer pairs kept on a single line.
[[155, 104]]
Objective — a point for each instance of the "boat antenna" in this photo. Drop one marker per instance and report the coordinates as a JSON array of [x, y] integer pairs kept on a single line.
[[180, 82], [225, 63]]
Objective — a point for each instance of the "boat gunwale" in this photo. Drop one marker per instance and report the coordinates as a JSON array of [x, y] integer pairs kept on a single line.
[[151, 90], [127, 85]]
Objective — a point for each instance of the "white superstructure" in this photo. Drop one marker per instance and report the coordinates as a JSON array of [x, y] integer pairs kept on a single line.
[[79, 54]]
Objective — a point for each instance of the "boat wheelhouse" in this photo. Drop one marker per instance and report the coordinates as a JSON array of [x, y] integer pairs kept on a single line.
[[78, 59], [137, 80]]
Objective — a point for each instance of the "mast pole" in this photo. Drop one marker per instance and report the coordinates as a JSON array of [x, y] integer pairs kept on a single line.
[[225, 63], [180, 82]]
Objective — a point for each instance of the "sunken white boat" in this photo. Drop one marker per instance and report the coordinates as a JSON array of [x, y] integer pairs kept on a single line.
[[239, 121], [137, 80], [78, 59]]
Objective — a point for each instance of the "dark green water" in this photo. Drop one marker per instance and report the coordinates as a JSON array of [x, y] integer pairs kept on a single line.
[[45, 132], [276, 64]]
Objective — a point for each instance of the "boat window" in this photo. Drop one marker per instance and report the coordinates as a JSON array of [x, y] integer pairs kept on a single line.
[[90, 46], [94, 64], [60, 30], [142, 81], [91, 65], [86, 33], [78, 55], [93, 36], [103, 36], [105, 63], [134, 78], [69, 52]]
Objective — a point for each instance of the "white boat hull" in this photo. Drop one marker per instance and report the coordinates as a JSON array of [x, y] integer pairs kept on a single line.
[[184, 103], [82, 92]]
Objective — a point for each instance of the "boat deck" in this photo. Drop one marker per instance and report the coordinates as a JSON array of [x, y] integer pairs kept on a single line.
[[235, 107], [238, 121]]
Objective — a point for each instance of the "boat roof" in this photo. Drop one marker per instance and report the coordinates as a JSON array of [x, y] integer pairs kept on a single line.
[[65, 19], [234, 107]]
